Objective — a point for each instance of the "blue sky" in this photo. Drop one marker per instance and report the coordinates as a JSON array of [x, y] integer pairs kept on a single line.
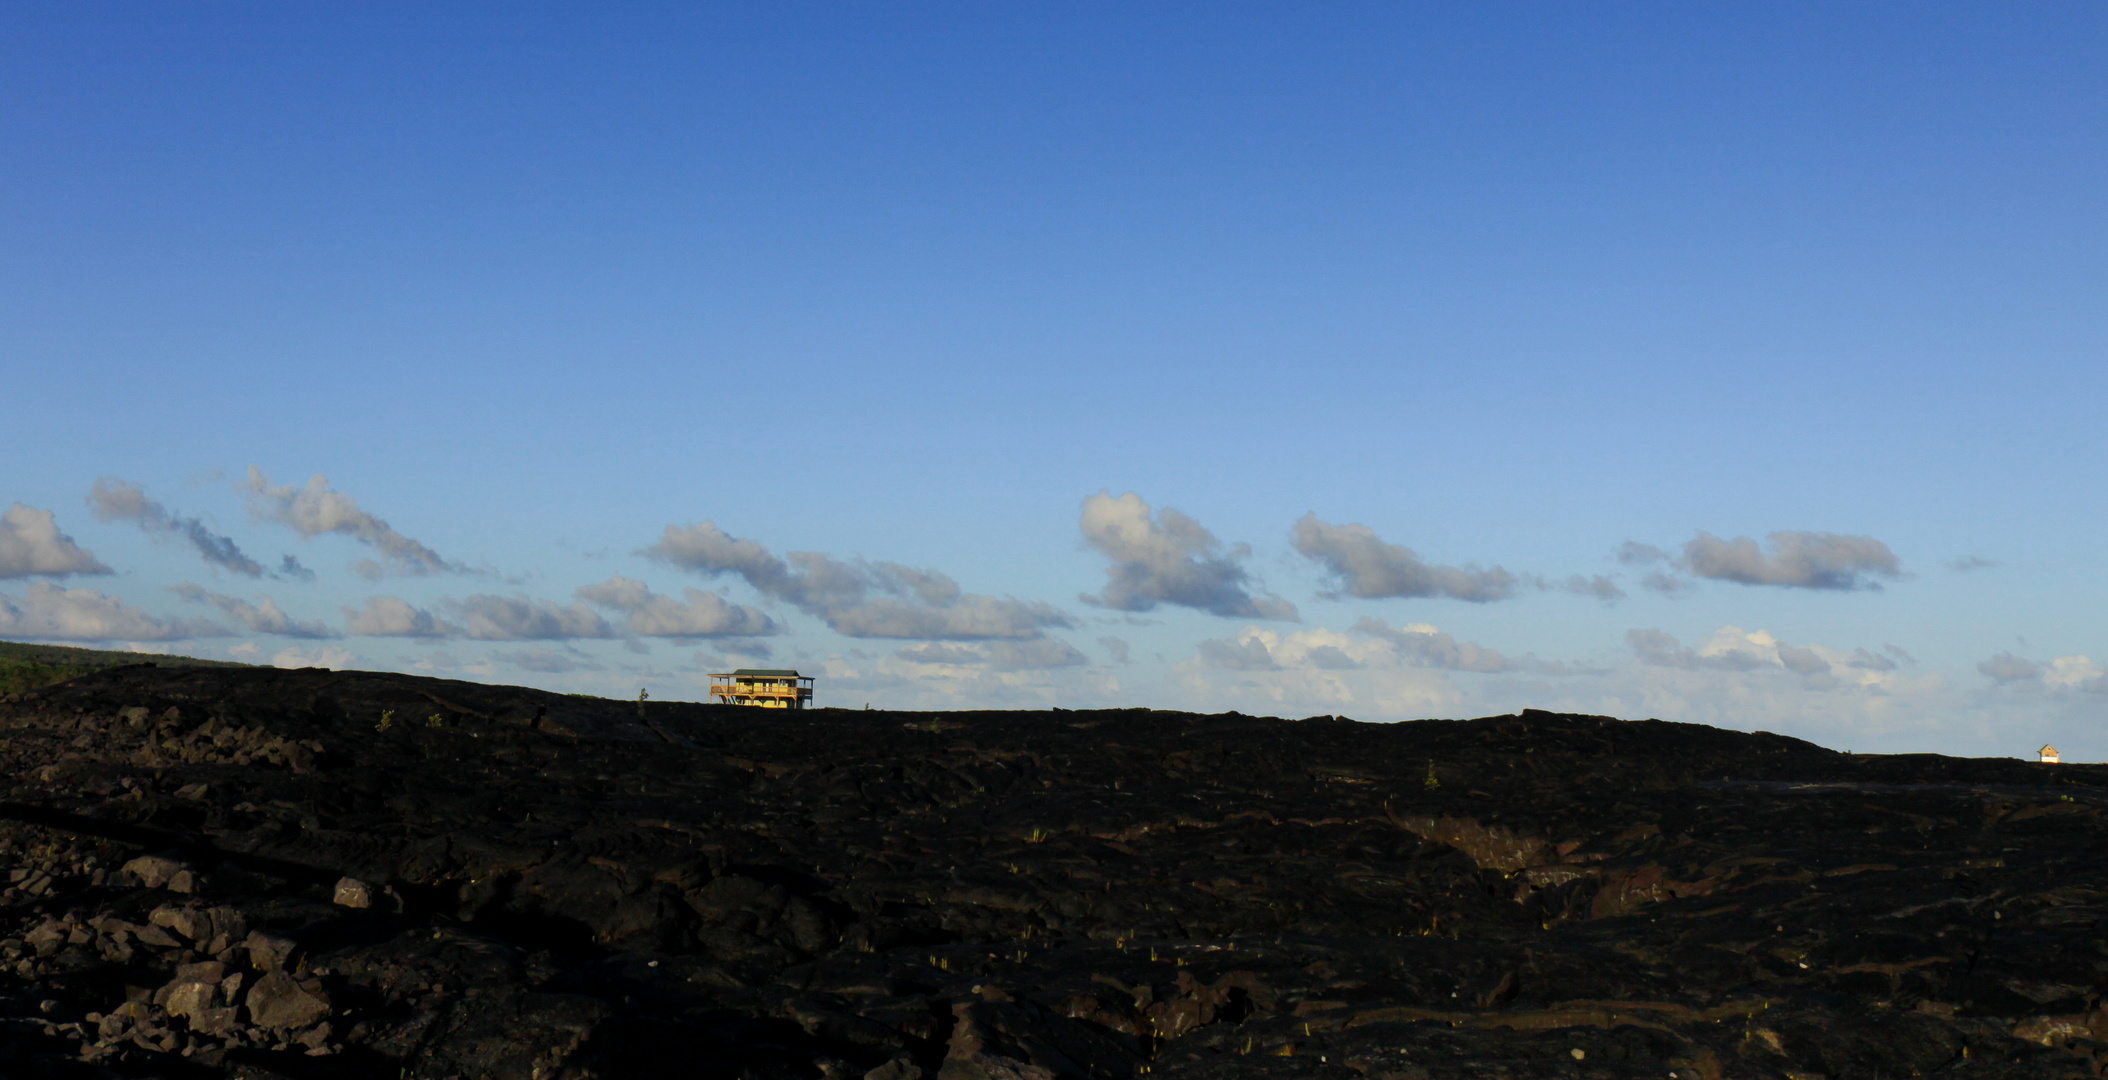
[[1507, 286]]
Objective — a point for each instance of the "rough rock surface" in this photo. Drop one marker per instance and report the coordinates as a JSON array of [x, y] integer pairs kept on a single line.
[[250, 872]]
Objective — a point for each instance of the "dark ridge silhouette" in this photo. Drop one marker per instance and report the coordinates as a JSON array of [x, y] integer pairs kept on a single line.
[[253, 872]]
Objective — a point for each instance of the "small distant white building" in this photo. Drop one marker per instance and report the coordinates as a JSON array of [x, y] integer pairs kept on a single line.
[[2049, 755]]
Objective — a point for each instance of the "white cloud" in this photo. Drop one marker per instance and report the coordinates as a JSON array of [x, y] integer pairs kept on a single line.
[[2073, 672], [264, 618], [504, 618], [1843, 708], [2063, 673], [49, 613], [1372, 646], [1371, 569], [1036, 655], [316, 510], [1317, 670], [388, 616], [699, 614], [333, 657], [1169, 558], [1425, 646], [857, 599], [1656, 647], [979, 676], [1239, 654], [31, 545], [115, 500], [1798, 560], [1732, 648], [1735, 678]]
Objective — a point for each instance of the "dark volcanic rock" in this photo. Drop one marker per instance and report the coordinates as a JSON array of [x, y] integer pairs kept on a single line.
[[249, 872]]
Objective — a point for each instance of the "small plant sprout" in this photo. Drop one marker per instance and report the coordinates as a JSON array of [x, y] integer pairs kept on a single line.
[[1431, 782], [435, 720], [387, 720]]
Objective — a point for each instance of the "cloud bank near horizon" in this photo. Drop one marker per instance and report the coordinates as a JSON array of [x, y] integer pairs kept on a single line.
[[263, 618], [959, 649], [47, 612]]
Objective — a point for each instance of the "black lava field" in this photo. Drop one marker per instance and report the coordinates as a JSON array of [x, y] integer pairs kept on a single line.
[[262, 873]]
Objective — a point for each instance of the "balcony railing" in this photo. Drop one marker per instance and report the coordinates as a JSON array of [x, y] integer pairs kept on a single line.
[[766, 692]]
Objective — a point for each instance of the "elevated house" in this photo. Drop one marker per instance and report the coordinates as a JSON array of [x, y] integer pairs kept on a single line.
[[769, 688], [2049, 755]]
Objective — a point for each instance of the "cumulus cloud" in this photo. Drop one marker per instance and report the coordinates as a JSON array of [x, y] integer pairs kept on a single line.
[[49, 613], [1663, 650], [1239, 654], [1425, 646], [507, 618], [857, 599], [2074, 673], [315, 510], [1169, 558], [2061, 673], [264, 618], [699, 614], [1798, 560], [115, 500], [388, 616], [1035, 655], [1373, 645], [31, 545], [1371, 569], [1732, 648], [332, 657]]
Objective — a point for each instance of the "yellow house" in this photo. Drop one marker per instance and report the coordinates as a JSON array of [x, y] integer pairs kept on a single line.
[[770, 688], [2050, 755]]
